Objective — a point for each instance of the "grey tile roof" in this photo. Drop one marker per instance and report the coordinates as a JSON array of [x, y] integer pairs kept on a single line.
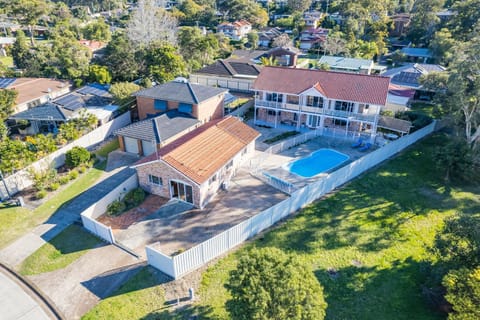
[[159, 128], [47, 111], [231, 68], [180, 91]]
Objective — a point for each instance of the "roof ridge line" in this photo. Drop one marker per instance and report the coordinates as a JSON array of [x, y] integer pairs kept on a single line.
[[227, 66], [192, 92]]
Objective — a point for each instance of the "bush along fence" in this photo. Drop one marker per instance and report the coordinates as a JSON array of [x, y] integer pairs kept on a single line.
[[179, 265], [90, 215], [22, 179]]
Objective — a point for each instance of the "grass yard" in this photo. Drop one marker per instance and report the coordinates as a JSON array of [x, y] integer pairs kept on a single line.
[[66, 247], [425, 108], [107, 148], [372, 235], [139, 298], [16, 221], [7, 61]]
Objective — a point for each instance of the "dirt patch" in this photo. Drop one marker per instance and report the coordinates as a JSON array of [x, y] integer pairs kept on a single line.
[[150, 205]]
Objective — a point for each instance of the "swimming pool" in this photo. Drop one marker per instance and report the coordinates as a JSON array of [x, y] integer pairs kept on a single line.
[[317, 162]]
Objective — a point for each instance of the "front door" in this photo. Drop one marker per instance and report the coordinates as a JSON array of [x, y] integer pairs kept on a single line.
[[181, 191]]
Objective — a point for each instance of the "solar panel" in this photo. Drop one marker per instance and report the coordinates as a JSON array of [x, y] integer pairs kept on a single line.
[[5, 82], [63, 101], [74, 105], [92, 90]]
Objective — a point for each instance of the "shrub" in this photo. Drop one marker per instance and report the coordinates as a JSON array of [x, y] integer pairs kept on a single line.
[[76, 156], [64, 179], [116, 207], [54, 186], [418, 119], [82, 168], [41, 194], [73, 174], [42, 178], [134, 197]]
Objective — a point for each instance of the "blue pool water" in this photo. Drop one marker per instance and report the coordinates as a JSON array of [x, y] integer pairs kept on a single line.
[[317, 162]]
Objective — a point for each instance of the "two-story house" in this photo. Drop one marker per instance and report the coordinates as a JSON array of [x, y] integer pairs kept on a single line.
[[167, 112], [316, 99], [312, 38], [235, 30]]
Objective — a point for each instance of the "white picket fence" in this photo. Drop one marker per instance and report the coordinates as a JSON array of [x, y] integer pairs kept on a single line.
[[181, 264], [100, 207], [22, 180]]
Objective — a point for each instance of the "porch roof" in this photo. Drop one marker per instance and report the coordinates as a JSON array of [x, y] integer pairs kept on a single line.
[[394, 124]]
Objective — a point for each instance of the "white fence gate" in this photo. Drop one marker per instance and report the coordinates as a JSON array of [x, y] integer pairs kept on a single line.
[[179, 265]]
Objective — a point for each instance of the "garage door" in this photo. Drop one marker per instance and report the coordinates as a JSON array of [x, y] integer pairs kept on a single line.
[[148, 147], [131, 145]]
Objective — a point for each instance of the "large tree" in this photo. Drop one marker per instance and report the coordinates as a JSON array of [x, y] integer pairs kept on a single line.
[[149, 24], [7, 101], [164, 63], [120, 58], [463, 293], [424, 20], [29, 11], [268, 284], [244, 9], [459, 92]]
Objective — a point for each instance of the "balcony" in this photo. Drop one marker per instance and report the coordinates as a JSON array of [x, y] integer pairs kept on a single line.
[[314, 110]]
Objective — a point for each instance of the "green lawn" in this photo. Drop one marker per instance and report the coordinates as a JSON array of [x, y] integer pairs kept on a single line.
[[66, 247], [425, 108], [139, 298], [109, 147], [16, 221], [374, 232], [7, 61]]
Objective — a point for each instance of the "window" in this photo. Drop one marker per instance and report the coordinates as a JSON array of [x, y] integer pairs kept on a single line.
[[271, 112], [185, 107], [344, 106], [213, 179], [274, 97], [160, 105], [313, 101], [155, 180]]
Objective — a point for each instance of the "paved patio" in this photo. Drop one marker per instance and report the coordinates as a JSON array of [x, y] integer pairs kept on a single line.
[[177, 226]]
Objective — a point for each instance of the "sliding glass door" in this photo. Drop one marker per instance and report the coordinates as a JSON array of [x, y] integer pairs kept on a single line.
[[181, 191]]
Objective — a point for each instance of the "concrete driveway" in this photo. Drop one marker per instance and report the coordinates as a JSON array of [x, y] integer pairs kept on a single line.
[[80, 286], [177, 226]]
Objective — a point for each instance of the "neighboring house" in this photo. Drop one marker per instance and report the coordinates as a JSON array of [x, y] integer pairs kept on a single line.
[[312, 19], [235, 30], [95, 47], [417, 54], [347, 64], [284, 56], [312, 38], [399, 98], [194, 167], [47, 117], [408, 76], [318, 99], [266, 36], [234, 75], [145, 136], [34, 91]]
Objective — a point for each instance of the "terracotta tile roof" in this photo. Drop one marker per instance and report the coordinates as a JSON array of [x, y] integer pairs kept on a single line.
[[203, 151], [334, 85], [33, 88]]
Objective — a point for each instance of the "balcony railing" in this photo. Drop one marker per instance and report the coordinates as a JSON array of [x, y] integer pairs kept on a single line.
[[315, 110]]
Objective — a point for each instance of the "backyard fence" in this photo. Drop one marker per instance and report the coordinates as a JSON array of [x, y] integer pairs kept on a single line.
[[181, 264], [22, 180], [100, 207]]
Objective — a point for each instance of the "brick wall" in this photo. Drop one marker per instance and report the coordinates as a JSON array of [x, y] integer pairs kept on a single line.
[[145, 106], [167, 173], [209, 109]]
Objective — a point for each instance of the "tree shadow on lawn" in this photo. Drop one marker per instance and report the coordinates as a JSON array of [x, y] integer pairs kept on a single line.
[[124, 280], [183, 313], [360, 292]]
